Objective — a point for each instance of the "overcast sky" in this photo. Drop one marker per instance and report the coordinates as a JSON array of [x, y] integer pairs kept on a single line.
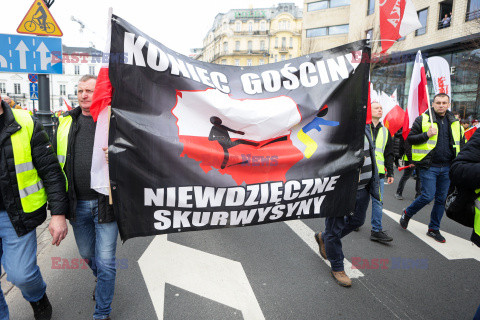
[[178, 24]]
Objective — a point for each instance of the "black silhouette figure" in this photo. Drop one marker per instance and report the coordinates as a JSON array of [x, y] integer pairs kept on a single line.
[[42, 18], [220, 134]]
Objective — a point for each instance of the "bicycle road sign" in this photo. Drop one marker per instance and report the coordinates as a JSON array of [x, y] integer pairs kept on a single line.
[[39, 21]]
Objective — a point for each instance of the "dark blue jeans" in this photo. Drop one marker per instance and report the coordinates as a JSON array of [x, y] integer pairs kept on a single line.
[[97, 242], [435, 182], [338, 227]]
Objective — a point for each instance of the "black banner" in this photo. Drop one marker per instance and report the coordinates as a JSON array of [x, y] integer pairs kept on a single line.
[[197, 146]]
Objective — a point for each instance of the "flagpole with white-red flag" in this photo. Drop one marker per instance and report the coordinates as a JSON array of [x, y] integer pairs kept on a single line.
[[418, 99], [440, 73], [100, 110]]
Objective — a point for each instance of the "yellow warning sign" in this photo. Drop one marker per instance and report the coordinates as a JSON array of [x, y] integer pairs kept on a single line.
[[39, 21]]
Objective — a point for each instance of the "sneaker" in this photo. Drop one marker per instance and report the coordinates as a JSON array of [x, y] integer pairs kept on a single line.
[[435, 234], [380, 236], [404, 220], [321, 245], [342, 278], [398, 196], [42, 309]]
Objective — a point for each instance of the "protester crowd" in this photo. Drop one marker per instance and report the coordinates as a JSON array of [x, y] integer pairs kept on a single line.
[[434, 152]]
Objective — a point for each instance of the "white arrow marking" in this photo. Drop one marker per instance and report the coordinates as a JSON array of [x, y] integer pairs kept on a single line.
[[22, 52], [307, 235], [3, 62], [210, 276], [454, 247], [44, 60]]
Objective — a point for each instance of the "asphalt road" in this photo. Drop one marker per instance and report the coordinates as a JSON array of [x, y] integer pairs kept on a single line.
[[200, 274]]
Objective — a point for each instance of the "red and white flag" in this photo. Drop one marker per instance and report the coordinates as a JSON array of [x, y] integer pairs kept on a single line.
[[66, 105], [417, 95], [440, 72], [469, 133], [395, 97], [393, 114], [397, 19], [102, 97]]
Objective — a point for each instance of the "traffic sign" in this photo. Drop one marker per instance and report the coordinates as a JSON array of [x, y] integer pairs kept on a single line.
[[30, 54], [39, 21], [34, 91], [33, 77]]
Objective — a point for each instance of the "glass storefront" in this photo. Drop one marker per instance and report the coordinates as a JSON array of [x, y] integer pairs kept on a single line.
[[464, 76]]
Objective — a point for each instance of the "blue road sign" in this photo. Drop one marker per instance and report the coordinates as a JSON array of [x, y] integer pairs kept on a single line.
[[30, 54], [33, 77], [33, 91]]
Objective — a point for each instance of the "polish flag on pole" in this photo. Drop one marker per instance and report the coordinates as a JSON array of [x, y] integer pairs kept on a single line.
[[397, 19], [372, 97], [417, 95], [469, 133], [440, 72], [395, 97], [102, 97], [393, 114], [66, 106]]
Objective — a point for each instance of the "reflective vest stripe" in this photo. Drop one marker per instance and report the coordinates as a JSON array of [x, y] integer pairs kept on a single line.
[[477, 204], [61, 159], [31, 189], [420, 151], [22, 167], [65, 122]]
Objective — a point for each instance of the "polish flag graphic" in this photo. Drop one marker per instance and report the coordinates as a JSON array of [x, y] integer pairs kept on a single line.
[[248, 139]]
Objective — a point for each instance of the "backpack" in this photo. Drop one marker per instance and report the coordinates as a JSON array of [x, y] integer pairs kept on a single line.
[[460, 205]]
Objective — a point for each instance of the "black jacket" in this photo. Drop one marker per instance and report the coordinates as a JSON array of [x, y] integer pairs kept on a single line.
[[465, 170], [45, 162], [105, 211], [417, 136]]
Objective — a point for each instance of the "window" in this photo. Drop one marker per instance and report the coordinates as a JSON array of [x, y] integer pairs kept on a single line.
[[250, 46], [284, 43], [261, 62], [263, 26], [473, 10], [325, 31], [91, 70], [250, 26], [225, 47], [249, 62], [75, 90], [276, 42], [2, 88], [320, 5], [238, 26], [77, 70], [16, 88], [275, 58], [369, 34], [371, 7], [237, 62], [237, 45], [422, 16], [291, 43], [282, 57], [62, 90], [284, 25], [262, 45]]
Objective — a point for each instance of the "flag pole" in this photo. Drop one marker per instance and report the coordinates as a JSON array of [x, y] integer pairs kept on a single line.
[[428, 104]]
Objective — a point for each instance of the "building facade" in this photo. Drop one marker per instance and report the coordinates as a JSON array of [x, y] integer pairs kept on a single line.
[[250, 37], [77, 61], [450, 29]]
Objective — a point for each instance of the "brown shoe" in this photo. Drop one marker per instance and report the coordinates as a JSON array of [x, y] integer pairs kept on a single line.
[[321, 245], [342, 278]]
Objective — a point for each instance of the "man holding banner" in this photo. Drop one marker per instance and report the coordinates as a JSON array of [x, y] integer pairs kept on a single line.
[[436, 140], [90, 214]]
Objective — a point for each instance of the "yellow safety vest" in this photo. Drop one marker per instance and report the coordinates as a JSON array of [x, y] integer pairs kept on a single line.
[[380, 144], [30, 187], [476, 223], [64, 124], [419, 151]]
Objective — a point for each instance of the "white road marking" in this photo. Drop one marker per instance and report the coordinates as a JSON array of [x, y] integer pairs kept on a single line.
[[454, 247], [307, 235], [210, 276]]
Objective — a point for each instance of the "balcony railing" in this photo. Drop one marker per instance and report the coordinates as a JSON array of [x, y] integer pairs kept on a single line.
[[443, 24], [472, 15]]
